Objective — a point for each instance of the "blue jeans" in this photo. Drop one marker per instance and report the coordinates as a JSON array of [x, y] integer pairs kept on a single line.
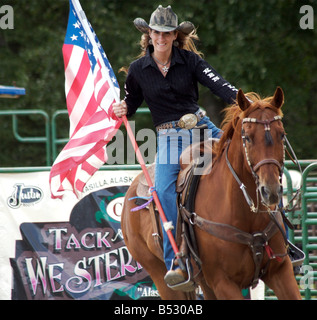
[[170, 144]]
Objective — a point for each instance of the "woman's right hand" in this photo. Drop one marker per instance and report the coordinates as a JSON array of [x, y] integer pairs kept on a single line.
[[120, 108]]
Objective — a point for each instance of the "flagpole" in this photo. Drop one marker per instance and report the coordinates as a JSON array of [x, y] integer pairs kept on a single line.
[[150, 184], [83, 19]]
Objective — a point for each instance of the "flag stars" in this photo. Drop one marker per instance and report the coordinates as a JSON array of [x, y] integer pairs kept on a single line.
[[73, 37], [76, 25]]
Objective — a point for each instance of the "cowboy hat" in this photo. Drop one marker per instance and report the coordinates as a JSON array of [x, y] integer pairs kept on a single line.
[[163, 20]]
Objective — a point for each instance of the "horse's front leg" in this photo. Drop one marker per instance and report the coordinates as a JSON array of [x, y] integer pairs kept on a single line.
[[282, 281], [224, 288]]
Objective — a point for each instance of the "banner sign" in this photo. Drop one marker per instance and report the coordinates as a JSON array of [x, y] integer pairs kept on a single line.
[[67, 249]]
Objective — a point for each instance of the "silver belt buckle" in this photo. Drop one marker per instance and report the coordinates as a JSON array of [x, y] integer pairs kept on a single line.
[[188, 121]]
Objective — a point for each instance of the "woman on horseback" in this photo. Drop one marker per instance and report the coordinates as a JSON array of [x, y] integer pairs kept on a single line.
[[166, 77]]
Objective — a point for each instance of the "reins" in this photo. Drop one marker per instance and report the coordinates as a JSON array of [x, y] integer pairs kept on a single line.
[[297, 194]]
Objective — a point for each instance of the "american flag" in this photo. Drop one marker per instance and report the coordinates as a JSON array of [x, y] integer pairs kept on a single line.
[[91, 88]]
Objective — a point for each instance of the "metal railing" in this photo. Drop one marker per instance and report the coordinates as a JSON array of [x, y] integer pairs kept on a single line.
[[55, 140], [50, 137], [309, 230], [45, 139], [305, 220]]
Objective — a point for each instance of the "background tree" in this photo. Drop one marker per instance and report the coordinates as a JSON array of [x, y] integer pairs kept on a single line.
[[256, 45]]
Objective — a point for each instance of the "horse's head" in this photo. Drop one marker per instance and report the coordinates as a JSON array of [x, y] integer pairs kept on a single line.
[[262, 135]]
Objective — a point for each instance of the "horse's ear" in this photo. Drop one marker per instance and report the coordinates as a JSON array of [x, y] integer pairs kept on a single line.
[[243, 102], [278, 98]]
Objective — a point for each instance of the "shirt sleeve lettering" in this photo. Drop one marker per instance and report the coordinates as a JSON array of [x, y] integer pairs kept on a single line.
[[208, 77]]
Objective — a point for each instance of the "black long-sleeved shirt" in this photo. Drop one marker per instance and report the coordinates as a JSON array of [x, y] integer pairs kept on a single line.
[[170, 97]]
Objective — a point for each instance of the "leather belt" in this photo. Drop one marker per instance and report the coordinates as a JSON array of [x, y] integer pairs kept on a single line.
[[187, 121]]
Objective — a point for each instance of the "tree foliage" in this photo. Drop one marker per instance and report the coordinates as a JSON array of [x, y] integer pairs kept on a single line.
[[256, 45]]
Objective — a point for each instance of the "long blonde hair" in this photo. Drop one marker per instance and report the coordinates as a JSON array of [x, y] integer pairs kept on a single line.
[[186, 42]]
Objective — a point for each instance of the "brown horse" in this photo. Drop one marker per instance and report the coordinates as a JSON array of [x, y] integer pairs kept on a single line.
[[250, 152]]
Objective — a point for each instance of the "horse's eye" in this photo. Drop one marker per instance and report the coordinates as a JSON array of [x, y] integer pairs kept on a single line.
[[247, 138], [283, 135]]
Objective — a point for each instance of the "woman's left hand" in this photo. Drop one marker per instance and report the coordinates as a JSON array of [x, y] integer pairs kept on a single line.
[[120, 108]]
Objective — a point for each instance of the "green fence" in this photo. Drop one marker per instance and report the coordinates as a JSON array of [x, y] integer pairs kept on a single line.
[[309, 230], [304, 219], [44, 139], [52, 136]]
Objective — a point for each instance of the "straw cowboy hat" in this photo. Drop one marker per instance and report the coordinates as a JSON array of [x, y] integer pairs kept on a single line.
[[163, 20]]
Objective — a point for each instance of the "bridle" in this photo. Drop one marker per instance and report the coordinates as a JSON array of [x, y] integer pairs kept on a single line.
[[267, 128], [255, 168]]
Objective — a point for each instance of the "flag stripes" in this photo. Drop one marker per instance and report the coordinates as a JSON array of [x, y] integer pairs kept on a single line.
[[89, 84]]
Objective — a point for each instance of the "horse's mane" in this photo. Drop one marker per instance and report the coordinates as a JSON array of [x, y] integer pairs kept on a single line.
[[233, 113]]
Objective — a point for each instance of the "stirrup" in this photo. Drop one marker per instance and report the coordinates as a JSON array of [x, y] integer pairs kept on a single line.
[[186, 286], [296, 255]]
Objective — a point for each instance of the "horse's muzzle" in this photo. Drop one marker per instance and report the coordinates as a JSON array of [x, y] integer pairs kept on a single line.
[[271, 194]]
